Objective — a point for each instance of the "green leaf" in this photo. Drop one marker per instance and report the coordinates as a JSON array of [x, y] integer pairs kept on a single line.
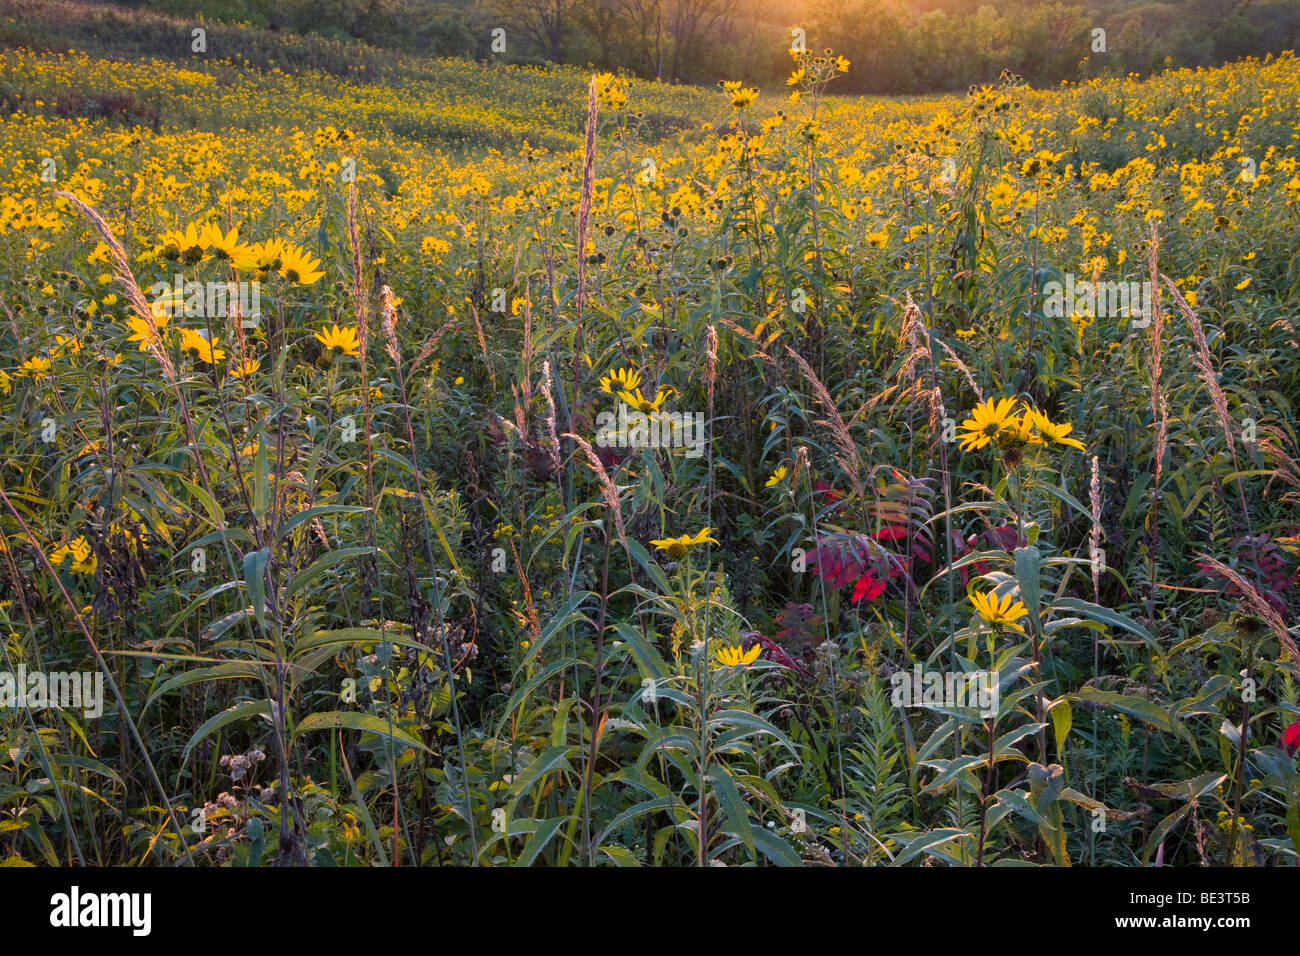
[[210, 506], [725, 718], [242, 711], [359, 801], [671, 801], [320, 566], [1193, 788], [541, 677], [1293, 819], [1162, 830], [1062, 495], [733, 806], [649, 566], [355, 637], [537, 842], [926, 843], [1135, 706], [1003, 745], [1104, 615], [261, 481], [774, 848], [257, 840], [227, 671], [1017, 802], [316, 511], [255, 580], [346, 720], [1062, 721], [950, 770], [1027, 570], [554, 759], [568, 613], [621, 856]]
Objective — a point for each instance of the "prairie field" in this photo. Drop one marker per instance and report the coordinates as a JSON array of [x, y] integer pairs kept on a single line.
[[411, 461]]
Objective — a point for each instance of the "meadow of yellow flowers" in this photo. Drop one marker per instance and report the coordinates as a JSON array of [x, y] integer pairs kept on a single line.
[[470, 464]]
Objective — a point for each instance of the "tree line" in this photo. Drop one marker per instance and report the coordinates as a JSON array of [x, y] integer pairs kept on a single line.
[[896, 46]]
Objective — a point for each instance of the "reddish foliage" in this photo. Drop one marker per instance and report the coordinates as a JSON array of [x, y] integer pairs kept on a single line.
[[792, 647], [1004, 537], [861, 560], [1259, 560], [1291, 739]]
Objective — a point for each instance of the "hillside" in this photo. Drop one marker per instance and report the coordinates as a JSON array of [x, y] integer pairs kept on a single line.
[[443, 463]]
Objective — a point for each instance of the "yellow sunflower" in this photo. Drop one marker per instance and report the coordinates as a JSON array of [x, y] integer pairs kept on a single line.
[[999, 613], [194, 344], [621, 379], [168, 305], [36, 366], [298, 266], [228, 247], [737, 656], [77, 552], [245, 369], [266, 255], [743, 98], [1020, 430], [64, 345], [643, 404], [987, 421], [142, 333], [1049, 431], [188, 245], [344, 339], [676, 547]]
